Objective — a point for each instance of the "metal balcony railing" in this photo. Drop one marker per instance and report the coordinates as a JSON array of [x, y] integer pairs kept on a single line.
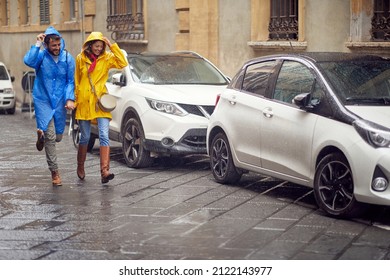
[[284, 20], [126, 26], [380, 23]]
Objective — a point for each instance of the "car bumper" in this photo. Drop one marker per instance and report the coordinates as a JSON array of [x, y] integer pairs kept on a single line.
[[365, 169], [7, 101], [192, 142], [166, 133]]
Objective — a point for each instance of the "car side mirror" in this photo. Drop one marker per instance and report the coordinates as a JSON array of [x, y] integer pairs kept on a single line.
[[119, 79], [303, 101], [12, 78]]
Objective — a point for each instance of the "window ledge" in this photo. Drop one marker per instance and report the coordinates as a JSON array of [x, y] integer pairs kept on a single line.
[[277, 45], [135, 42], [368, 46]]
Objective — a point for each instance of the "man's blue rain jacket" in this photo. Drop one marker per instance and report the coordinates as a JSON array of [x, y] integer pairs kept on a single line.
[[53, 85]]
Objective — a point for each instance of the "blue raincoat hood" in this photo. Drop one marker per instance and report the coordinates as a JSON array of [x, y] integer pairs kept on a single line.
[[52, 31], [53, 85]]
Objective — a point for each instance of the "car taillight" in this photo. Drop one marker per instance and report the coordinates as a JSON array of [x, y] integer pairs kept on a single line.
[[217, 99]]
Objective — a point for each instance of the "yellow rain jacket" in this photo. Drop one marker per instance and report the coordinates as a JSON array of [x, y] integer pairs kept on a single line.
[[85, 98]]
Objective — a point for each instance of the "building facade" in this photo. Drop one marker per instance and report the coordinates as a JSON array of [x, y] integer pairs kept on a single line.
[[227, 32]]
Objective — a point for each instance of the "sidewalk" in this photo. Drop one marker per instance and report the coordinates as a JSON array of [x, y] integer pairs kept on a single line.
[[163, 212]]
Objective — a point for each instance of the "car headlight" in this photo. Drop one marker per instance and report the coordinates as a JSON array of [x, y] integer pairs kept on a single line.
[[166, 107], [8, 90], [374, 134]]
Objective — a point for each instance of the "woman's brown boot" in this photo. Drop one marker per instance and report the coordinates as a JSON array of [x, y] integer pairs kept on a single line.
[[105, 164], [81, 156]]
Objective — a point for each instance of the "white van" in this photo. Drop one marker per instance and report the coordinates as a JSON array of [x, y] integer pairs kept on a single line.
[[7, 93]]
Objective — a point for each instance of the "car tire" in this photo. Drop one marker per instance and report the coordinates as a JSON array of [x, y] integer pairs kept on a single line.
[[134, 152], [76, 134], [334, 187], [91, 142], [221, 161], [11, 111]]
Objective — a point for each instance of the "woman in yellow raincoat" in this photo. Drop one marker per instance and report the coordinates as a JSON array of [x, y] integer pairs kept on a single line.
[[93, 64]]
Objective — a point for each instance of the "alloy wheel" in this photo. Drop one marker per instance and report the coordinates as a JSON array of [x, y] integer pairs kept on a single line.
[[133, 145], [333, 186], [221, 161]]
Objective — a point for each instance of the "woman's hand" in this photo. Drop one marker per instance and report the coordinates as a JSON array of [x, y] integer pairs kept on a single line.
[[108, 43]]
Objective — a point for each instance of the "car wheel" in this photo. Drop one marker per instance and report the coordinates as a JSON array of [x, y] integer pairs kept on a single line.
[[91, 142], [76, 134], [221, 161], [334, 187], [11, 111], [133, 145]]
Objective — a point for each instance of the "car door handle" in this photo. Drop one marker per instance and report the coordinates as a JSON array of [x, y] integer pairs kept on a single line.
[[232, 100], [267, 112]]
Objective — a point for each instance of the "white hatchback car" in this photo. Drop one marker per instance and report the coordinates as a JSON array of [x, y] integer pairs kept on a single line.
[[320, 120], [7, 93], [164, 101]]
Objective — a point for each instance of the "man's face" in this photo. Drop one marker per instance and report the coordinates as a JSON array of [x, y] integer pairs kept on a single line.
[[54, 47]]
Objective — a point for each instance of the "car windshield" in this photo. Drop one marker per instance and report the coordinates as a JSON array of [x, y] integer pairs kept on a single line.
[[3, 73], [360, 82], [173, 69]]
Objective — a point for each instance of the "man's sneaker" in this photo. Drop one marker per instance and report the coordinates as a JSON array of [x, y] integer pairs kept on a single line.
[[41, 140]]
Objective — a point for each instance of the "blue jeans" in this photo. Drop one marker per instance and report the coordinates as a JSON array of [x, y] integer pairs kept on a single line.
[[85, 129]]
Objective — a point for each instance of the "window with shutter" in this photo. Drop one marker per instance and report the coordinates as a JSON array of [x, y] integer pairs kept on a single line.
[[4, 13], [44, 11]]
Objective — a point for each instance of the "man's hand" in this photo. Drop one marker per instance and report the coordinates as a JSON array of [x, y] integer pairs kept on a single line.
[[69, 105], [41, 37]]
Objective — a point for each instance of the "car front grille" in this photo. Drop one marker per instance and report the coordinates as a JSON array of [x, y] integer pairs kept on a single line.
[[195, 138], [195, 141], [199, 110]]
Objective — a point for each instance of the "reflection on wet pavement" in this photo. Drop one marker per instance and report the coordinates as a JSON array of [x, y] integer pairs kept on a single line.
[[168, 211]]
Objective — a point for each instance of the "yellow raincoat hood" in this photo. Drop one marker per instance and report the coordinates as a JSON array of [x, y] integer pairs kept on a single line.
[[93, 37]]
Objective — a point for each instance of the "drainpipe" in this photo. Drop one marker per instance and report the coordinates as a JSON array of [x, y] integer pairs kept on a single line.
[[81, 9]]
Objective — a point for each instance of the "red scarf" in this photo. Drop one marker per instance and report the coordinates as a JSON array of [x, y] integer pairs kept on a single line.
[[93, 58]]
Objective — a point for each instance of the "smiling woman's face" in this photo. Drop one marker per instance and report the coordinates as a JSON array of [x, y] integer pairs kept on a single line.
[[97, 47]]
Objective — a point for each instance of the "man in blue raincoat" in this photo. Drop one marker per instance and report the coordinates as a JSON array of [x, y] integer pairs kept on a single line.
[[53, 92]]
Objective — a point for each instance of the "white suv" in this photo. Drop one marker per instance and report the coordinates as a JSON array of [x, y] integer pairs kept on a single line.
[[316, 119], [164, 104], [7, 93]]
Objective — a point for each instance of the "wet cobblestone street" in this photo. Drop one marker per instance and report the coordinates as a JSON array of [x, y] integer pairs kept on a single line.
[[168, 211]]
